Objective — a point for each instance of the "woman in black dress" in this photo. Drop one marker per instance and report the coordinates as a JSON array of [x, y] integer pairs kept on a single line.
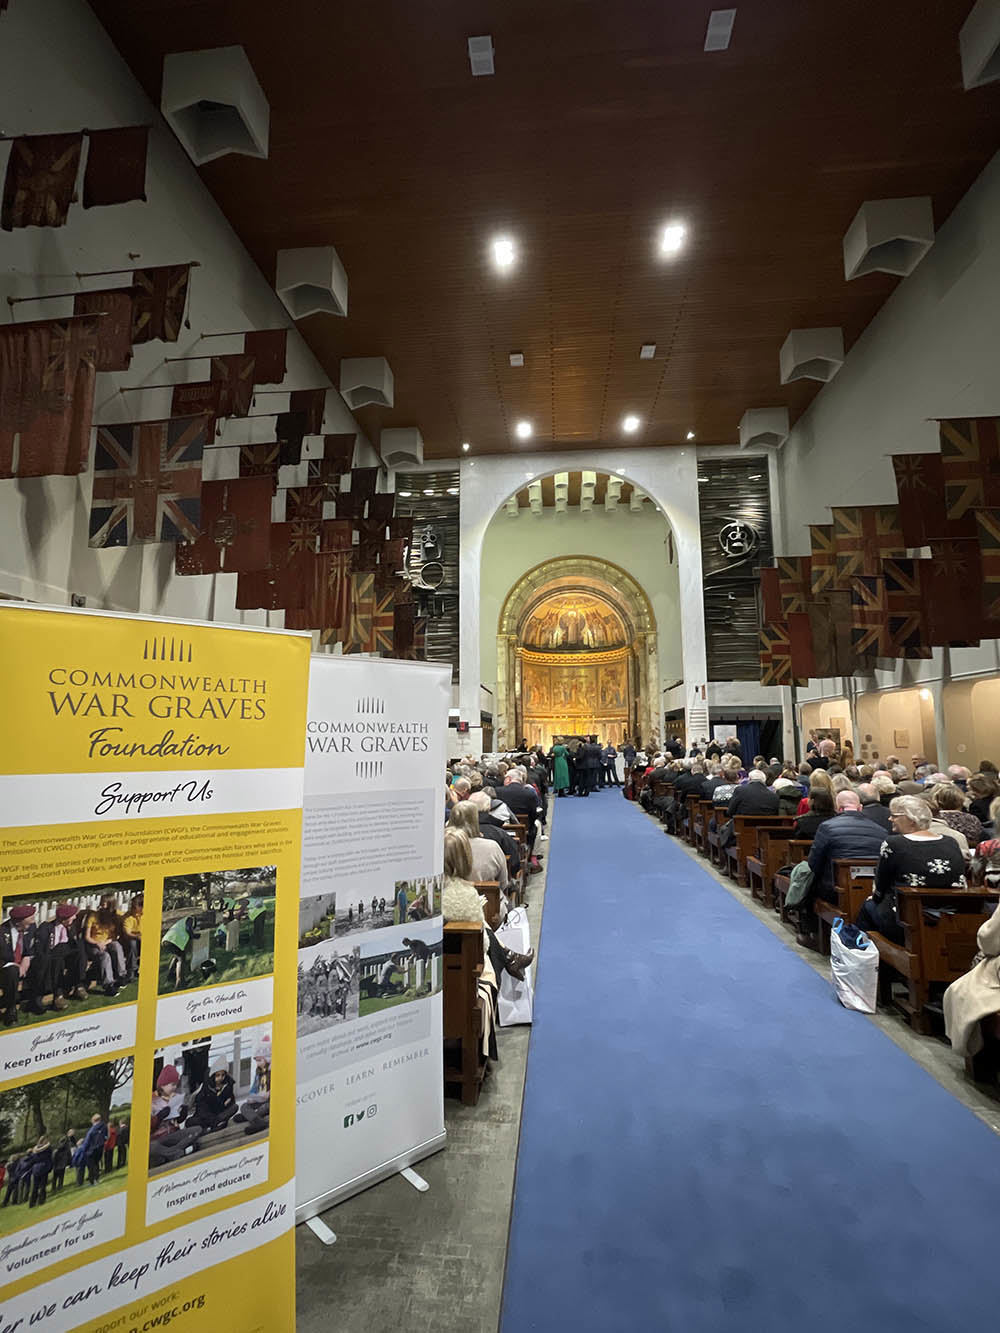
[[912, 855]]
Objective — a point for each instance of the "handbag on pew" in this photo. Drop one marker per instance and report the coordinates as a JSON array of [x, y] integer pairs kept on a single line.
[[516, 999], [801, 881], [727, 833]]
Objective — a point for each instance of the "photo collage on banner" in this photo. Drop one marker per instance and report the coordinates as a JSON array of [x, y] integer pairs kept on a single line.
[[151, 779], [370, 1073]]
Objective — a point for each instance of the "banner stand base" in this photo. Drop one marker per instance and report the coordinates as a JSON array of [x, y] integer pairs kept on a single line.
[[321, 1231], [305, 1212], [413, 1179]]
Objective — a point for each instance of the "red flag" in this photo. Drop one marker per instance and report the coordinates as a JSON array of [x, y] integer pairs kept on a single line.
[[337, 534], [363, 481], [234, 376], [401, 528], [201, 399], [235, 529], [290, 430], [311, 402], [147, 482], [116, 166], [923, 513], [304, 510], [802, 659], [381, 506], [41, 180], [970, 455], [47, 382], [260, 460], [371, 536], [160, 300], [951, 581], [360, 633], [775, 655], [114, 337], [267, 347], [905, 609], [284, 584], [770, 590]]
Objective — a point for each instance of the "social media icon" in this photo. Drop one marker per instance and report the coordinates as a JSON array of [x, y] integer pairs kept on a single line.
[[348, 1121], [372, 1110]]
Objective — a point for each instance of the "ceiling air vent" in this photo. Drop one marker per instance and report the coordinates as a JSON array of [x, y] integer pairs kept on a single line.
[[481, 55], [720, 29]]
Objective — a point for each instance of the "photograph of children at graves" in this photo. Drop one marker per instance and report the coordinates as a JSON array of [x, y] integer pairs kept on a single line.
[[70, 949], [209, 1095], [417, 899], [64, 1141], [411, 970], [217, 926], [317, 917], [328, 988]]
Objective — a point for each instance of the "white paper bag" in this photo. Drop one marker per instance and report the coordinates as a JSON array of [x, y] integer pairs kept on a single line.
[[855, 972], [516, 998]]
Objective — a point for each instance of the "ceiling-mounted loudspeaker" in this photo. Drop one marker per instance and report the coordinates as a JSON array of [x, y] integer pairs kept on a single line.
[[311, 281], [979, 44], [401, 446], [512, 507], [635, 500], [481, 56], [764, 427], [214, 104], [888, 236], [588, 486], [613, 494], [366, 381], [811, 354], [560, 483], [535, 497]]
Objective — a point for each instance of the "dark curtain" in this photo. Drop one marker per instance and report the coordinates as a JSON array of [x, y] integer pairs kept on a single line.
[[770, 739], [748, 734]]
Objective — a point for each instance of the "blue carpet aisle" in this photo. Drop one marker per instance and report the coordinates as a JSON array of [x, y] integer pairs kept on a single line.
[[709, 1142]]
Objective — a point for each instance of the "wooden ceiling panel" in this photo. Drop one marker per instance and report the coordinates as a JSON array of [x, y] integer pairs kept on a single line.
[[601, 123]]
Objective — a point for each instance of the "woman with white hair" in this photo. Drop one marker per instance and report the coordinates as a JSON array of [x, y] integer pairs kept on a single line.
[[914, 855]]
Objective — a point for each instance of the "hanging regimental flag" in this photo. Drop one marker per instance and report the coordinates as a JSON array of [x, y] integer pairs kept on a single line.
[[116, 166], [401, 528], [370, 538], [312, 404], [951, 580], [970, 456], [404, 616], [201, 399], [830, 622], [147, 482], [988, 522], [862, 537], [47, 381], [234, 376], [283, 585], [260, 460], [770, 593], [304, 509], [905, 609], [337, 534], [113, 349], [800, 646], [160, 301], [869, 616], [359, 634], [822, 559], [923, 513], [334, 594], [290, 431], [235, 529], [380, 506], [41, 180], [776, 655], [268, 348], [383, 621], [794, 583], [363, 481]]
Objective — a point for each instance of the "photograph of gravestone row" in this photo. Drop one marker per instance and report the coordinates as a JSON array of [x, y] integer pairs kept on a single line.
[[328, 988], [410, 971], [217, 926], [209, 1094], [410, 900], [64, 1141], [75, 949]]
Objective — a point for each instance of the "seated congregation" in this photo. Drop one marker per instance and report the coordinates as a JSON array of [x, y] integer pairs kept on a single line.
[[908, 855]]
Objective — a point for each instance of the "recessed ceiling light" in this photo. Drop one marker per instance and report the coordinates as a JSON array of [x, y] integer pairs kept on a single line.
[[517, 358], [703, 479], [672, 238], [690, 435], [647, 351], [481, 55], [504, 252], [523, 430], [720, 29], [404, 495], [465, 446], [757, 476], [429, 490], [630, 424], [452, 490]]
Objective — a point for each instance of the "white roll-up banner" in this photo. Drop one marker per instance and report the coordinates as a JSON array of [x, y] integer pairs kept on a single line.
[[370, 1053]]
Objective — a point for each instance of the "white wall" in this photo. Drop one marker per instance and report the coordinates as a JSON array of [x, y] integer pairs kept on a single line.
[[59, 72], [636, 542]]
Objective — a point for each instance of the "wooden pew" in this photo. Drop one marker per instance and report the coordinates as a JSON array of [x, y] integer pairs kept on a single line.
[[853, 879], [702, 815], [770, 854], [798, 850], [464, 1013], [745, 842], [490, 889], [936, 950], [691, 803]]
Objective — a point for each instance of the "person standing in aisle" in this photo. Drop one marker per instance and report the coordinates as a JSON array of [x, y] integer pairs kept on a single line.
[[560, 769]]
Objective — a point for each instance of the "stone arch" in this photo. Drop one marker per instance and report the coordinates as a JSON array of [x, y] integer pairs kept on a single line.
[[569, 577]]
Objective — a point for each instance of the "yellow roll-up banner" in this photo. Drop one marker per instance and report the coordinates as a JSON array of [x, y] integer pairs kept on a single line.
[[150, 827]]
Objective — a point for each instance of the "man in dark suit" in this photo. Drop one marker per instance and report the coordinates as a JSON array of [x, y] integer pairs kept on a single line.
[[849, 834], [753, 797], [593, 758], [872, 807], [492, 828], [675, 747], [521, 799], [21, 967]]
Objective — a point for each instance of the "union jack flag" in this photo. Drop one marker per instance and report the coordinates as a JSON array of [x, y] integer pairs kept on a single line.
[[234, 374], [970, 454], [923, 514], [147, 482], [988, 521], [359, 635], [383, 622], [335, 461], [776, 655], [311, 403], [823, 564], [905, 609], [794, 583], [869, 616], [863, 536], [304, 510], [160, 298], [260, 460]]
